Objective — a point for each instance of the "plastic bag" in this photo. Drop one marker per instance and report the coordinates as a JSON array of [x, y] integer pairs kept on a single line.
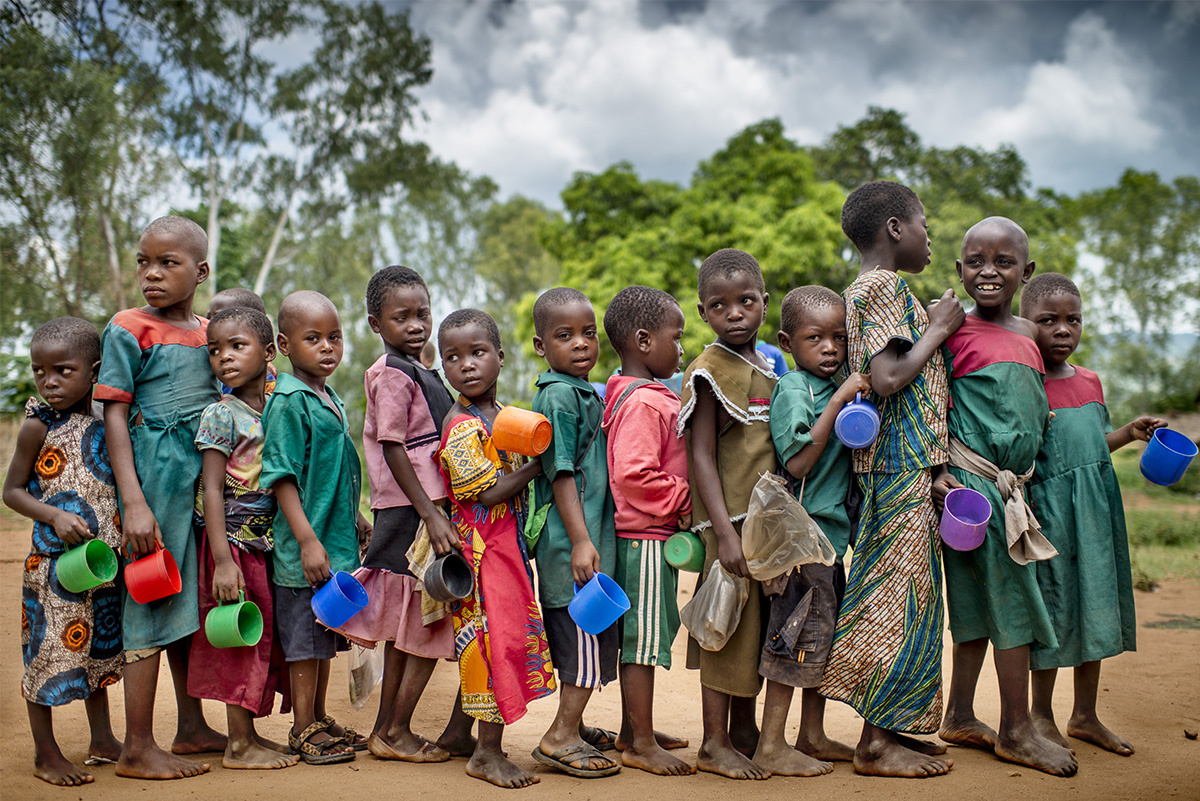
[[366, 672], [778, 534], [713, 614]]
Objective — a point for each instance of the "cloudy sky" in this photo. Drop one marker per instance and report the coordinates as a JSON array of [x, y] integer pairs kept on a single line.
[[530, 92]]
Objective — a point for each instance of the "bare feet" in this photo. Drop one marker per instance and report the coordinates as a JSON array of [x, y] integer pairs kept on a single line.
[[497, 769], [787, 761], [920, 746], [200, 741], [1049, 729], [255, 757], [744, 739], [61, 772], [461, 746], [667, 742], [412, 748], [1093, 731], [155, 763], [969, 733], [1029, 748], [107, 749], [655, 759], [823, 748], [726, 761], [270, 744], [880, 757]]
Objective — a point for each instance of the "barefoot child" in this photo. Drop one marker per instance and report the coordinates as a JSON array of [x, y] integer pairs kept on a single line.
[[804, 405], [155, 383], [726, 398], [60, 478], [310, 462], [886, 658], [578, 539], [405, 406], [997, 421], [647, 472], [236, 542], [1088, 587], [503, 655]]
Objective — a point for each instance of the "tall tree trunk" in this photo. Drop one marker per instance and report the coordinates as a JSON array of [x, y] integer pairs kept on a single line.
[[214, 224], [114, 258], [260, 283]]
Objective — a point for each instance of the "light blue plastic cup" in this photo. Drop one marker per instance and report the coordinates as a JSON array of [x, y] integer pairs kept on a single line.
[[598, 604], [338, 600], [1167, 456], [857, 424]]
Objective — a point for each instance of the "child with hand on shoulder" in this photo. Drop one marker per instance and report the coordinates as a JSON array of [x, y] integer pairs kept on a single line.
[[1088, 587], [804, 405], [886, 658], [235, 515], [503, 654], [647, 471], [60, 478], [997, 421], [310, 462], [725, 406], [155, 383]]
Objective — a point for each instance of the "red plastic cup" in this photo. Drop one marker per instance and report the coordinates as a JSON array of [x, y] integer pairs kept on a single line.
[[152, 577]]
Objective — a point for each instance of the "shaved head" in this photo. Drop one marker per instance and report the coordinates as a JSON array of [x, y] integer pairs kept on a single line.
[[301, 306], [188, 236], [1000, 225]]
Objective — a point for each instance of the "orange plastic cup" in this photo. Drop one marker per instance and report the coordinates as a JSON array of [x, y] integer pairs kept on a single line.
[[152, 577], [521, 431]]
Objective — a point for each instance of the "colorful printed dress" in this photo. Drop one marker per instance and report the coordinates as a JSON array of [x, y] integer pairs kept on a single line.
[[1087, 588], [70, 642], [886, 659], [503, 654], [998, 409], [162, 372]]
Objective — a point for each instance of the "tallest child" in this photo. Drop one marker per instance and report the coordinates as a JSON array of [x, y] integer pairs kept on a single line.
[[155, 383]]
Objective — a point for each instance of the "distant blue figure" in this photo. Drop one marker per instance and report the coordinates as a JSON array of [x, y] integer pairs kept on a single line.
[[599, 387], [774, 357]]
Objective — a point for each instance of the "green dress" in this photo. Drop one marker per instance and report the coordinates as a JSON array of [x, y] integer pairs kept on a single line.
[[1088, 587], [997, 409]]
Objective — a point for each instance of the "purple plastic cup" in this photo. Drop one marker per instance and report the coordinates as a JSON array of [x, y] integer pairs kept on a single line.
[[965, 519]]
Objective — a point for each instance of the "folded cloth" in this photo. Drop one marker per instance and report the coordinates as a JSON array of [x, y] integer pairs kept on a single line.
[[420, 556], [1021, 529]]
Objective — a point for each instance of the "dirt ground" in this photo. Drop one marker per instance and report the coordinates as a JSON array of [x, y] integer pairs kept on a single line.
[[1150, 697]]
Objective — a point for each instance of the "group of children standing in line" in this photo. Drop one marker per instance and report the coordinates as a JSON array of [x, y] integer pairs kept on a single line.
[[252, 482]]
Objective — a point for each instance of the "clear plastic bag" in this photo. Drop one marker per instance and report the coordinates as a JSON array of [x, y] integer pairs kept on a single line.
[[366, 672], [713, 614], [778, 534]]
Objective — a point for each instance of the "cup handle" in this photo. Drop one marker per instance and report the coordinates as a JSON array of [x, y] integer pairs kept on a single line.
[[858, 397]]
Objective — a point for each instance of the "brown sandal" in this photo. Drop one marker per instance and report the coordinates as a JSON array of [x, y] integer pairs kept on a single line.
[[317, 753], [352, 737]]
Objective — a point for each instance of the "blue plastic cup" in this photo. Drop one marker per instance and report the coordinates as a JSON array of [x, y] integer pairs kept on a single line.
[[598, 604], [857, 424], [965, 519], [338, 600], [1167, 456]]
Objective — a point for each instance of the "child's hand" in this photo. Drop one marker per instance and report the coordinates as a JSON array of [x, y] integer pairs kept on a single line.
[[856, 383], [227, 581], [365, 531], [442, 535], [943, 482], [139, 529], [946, 313], [315, 562], [70, 528], [585, 562], [729, 552], [1143, 427]]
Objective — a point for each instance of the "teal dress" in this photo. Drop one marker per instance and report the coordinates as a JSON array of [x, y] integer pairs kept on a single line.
[[1088, 587], [997, 409], [163, 373]]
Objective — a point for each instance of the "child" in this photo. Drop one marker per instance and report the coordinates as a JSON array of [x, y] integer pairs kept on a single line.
[[578, 539], [230, 299], [726, 400], [155, 383], [886, 658], [804, 405], [647, 470], [60, 477], [235, 546], [997, 421], [1087, 588], [503, 656], [405, 406], [310, 461]]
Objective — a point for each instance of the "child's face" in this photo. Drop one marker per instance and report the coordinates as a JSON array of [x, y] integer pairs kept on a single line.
[[818, 343], [915, 247], [405, 319], [994, 264], [734, 307], [62, 377], [570, 344], [1059, 321], [236, 355], [662, 349], [167, 274], [313, 343], [470, 360]]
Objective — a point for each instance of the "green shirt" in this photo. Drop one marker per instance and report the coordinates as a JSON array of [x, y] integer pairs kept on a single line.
[[797, 402], [307, 442], [575, 411]]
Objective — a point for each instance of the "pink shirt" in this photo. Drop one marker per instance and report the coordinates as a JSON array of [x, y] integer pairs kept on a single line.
[[397, 412], [647, 460]]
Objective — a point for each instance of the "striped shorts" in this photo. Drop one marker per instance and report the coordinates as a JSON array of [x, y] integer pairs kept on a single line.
[[581, 659], [648, 629]]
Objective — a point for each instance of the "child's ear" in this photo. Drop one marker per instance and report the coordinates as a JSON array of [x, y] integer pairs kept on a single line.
[[539, 347], [641, 340], [95, 372], [270, 350], [500, 353], [703, 314], [373, 321], [1029, 268], [958, 269], [894, 227], [202, 272], [283, 344], [785, 342]]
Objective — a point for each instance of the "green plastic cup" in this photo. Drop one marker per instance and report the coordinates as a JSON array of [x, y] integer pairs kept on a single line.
[[685, 551], [87, 566], [234, 625]]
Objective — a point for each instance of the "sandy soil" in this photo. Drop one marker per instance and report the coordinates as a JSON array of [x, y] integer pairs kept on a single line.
[[1150, 697]]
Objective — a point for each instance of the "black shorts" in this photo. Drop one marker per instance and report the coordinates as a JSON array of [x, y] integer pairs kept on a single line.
[[581, 659], [800, 629], [395, 528], [300, 635]]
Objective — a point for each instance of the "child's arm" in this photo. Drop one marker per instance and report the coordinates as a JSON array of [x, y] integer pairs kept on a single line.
[[227, 576], [442, 535], [807, 457], [364, 528], [637, 463], [1139, 429], [70, 528], [893, 368], [139, 529], [509, 484], [585, 559], [313, 558], [708, 480]]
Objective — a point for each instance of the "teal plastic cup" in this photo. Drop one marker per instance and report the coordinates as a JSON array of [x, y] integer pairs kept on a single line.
[[87, 566], [684, 551], [234, 625]]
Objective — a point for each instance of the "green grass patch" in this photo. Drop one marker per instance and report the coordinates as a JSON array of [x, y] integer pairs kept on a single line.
[[1154, 564], [1125, 464], [1173, 528]]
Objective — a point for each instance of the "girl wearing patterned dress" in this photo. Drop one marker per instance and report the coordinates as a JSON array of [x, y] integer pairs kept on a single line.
[[500, 640], [60, 477]]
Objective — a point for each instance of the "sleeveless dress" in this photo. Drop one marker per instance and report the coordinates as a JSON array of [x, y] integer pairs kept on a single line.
[[70, 642]]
